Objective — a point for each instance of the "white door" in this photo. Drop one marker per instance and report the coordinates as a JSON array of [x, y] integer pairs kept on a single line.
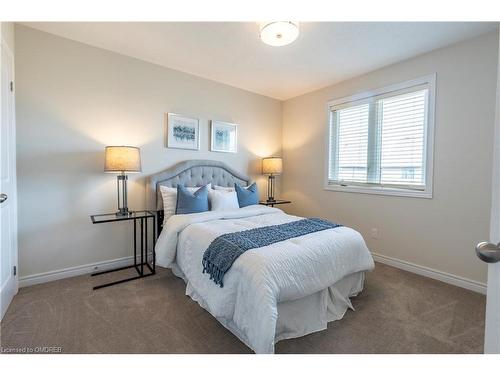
[[490, 252], [8, 201]]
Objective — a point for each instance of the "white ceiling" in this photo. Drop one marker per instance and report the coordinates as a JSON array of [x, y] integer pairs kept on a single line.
[[232, 53]]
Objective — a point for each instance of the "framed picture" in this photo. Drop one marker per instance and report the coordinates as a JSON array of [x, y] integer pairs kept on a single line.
[[224, 137], [183, 132]]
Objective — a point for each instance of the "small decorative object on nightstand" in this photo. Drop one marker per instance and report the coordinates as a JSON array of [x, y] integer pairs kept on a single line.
[[121, 159], [272, 166], [140, 217], [272, 203]]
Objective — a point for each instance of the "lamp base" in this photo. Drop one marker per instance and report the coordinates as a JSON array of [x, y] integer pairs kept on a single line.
[[123, 213], [121, 187], [270, 189]]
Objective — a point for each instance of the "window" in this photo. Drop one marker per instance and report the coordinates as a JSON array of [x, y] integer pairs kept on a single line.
[[382, 142]]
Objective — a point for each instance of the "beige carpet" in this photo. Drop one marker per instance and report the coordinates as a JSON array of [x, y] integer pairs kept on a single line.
[[398, 312]]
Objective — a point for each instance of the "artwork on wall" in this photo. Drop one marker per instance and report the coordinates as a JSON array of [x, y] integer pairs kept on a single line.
[[183, 132], [224, 137]]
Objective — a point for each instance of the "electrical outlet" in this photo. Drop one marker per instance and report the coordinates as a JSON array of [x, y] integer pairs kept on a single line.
[[374, 233]]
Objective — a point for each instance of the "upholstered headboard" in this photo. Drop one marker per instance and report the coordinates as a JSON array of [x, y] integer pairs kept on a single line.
[[191, 173]]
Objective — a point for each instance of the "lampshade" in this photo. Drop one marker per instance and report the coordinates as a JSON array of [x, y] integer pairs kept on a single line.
[[122, 159], [272, 165], [279, 33]]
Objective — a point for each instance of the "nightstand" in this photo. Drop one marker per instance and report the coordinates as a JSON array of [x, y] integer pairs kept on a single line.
[[272, 203], [140, 219]]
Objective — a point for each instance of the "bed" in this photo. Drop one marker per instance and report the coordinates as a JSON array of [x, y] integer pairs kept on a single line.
[[283, 290]]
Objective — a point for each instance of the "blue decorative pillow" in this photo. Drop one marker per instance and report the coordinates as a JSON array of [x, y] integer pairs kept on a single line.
[[191, 203], [247, 196]]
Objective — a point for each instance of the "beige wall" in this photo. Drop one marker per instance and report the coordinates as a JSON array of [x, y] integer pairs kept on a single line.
[[441, 232], [72, 100]]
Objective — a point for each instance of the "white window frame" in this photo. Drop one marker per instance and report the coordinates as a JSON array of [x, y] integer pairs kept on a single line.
[[352, 187]]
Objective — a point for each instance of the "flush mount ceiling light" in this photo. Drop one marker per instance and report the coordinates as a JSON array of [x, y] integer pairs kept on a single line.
[[279, 33]]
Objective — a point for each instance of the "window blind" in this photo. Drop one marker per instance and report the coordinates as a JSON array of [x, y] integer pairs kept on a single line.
[[402, 138], [380, 140], [352, 143]]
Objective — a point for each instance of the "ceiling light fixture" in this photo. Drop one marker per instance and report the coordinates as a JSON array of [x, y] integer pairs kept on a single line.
[[279, 33]]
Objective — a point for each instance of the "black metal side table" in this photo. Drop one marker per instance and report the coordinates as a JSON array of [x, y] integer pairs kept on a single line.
[[138, 217], [272, 203]]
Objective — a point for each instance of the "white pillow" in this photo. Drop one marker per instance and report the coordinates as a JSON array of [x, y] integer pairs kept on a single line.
[[221, 200], [169, 196]]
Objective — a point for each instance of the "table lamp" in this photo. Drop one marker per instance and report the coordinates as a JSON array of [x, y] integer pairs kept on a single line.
[[121, 159], [271, 166]]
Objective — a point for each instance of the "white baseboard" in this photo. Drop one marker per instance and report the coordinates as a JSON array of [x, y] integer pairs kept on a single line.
[[74, 271], [445, 277]]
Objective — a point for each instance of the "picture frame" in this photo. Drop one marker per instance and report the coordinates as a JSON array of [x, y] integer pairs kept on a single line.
[[223, 137], [183, 132]]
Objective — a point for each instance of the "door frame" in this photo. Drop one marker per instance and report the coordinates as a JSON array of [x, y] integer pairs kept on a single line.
[[5, 46], [492, 323]]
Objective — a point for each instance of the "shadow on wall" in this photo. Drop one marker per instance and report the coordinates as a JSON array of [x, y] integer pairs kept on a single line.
[[303, 187], [298, 183], [62, 180], [69, 183]]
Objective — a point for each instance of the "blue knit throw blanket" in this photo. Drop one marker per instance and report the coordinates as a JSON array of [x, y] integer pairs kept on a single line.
[[225, 249]]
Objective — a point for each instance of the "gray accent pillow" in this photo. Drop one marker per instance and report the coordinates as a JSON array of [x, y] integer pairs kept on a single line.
[[191, 202]]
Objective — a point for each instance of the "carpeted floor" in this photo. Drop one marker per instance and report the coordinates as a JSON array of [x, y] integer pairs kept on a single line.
[[398, 312]]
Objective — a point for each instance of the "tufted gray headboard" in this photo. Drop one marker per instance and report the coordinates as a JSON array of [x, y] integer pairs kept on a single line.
[[191, 173]]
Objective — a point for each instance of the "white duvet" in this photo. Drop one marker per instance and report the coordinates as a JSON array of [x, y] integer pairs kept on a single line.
[[260, 278]]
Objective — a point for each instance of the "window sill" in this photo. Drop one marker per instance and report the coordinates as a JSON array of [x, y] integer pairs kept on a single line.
[[381, 191]]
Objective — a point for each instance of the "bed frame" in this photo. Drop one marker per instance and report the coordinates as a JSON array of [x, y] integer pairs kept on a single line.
[[189, 173]]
